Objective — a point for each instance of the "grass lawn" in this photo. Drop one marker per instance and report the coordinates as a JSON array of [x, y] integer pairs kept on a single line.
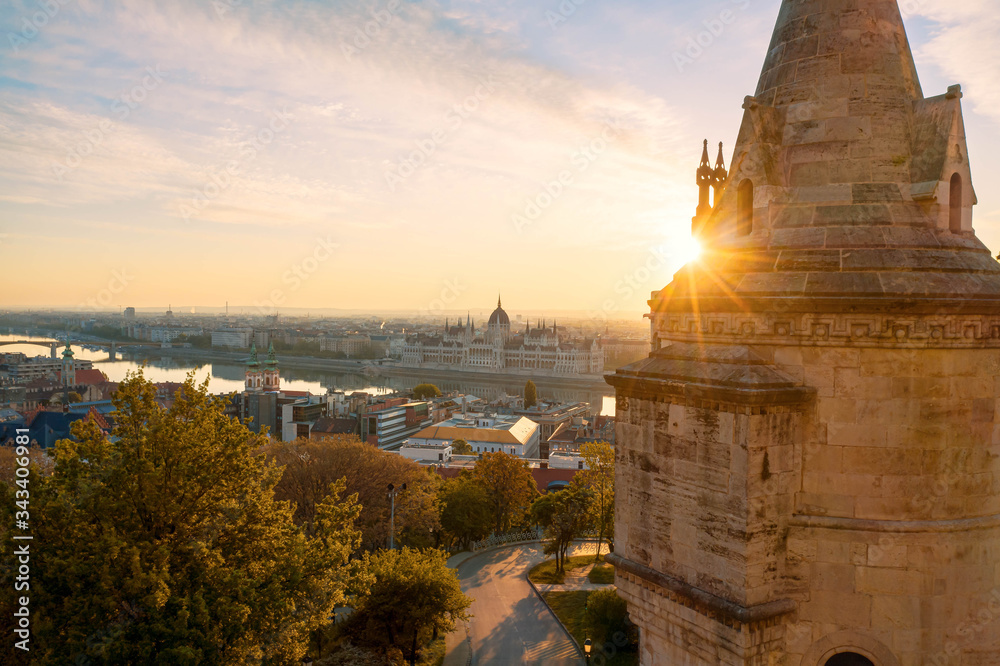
[[602, 574], [571, 609], [545, 573]]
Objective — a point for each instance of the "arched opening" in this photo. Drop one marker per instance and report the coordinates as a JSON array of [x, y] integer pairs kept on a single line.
[[744, 208], [849, 659], [956, 201]]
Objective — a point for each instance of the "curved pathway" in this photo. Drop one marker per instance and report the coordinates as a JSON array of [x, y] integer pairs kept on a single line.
[[510, 624]]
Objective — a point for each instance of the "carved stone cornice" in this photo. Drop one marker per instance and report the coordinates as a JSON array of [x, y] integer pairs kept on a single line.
[[930, 331], [732, 375], [721, 610]]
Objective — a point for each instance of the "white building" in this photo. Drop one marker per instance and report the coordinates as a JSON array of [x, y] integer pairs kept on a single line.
[[237, 338], [486, 434], [566, 460], [535, 352], [426, 453], [169, 334]]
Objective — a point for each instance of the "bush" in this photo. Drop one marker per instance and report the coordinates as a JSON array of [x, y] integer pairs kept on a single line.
[[425, 391], [607, 615]]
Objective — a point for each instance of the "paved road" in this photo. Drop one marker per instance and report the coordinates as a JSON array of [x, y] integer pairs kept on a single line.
[[511, 626]]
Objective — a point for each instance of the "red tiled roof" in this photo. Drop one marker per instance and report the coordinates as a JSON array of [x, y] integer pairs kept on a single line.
[[98, 418]]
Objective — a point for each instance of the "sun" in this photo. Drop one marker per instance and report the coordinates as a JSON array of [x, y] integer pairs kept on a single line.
[[689, 250]]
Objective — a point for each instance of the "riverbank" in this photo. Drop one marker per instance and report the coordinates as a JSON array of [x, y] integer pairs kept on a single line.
[[373, 369]]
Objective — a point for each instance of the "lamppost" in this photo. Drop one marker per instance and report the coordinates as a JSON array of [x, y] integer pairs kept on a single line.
[[393, 491], [307, 661], [587, 646]]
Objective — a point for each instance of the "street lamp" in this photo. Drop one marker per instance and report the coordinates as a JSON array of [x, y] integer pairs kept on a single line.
[[587, 646], [393, 491], [307, 661]]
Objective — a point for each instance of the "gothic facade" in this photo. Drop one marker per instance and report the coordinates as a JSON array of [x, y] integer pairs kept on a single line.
[[539, 351]]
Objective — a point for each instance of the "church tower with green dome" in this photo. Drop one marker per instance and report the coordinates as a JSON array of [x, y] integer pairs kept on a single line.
[[68, 374], [272, 379], [254, 376]]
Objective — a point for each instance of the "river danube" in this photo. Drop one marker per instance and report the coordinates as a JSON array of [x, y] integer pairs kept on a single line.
[[226, 376]]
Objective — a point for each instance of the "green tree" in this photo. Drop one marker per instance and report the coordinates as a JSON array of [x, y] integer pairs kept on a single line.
[[164, 544], [466, 512], [509, 487], [425, 391], [565, 515], [606, 616], [461, 447], [530, 395], [310, 467], [598, 477], [74, 397], [412, 598]]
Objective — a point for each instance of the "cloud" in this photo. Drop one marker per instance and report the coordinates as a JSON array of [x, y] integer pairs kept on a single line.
[[963, 44]]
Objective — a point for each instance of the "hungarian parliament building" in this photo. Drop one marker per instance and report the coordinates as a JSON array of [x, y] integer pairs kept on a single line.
[[536, 351]]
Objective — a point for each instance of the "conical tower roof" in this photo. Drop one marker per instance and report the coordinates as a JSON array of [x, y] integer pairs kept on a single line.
[[252, 362], [847, 186]]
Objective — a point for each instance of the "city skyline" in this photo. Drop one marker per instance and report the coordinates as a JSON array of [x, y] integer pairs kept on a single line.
[[256, 152]]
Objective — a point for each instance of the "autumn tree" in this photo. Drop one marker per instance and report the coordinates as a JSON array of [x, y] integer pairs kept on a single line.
[[530, 395], [466, 512], [413, 598], [461, 447], [425, 391], [565, 515], [598, 476], [509, 487], [165, 544], [311, 466]]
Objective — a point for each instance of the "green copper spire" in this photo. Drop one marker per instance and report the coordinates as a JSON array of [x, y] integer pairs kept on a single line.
[[67, 353], [253, 362], [271, 359]]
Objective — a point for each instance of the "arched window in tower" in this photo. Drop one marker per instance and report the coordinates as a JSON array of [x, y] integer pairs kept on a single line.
[[849, 659], [956, 199], [744, 208]]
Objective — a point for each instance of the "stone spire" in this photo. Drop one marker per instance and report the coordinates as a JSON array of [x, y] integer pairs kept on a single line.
[[719, 177], [839, 155], [704, 182]]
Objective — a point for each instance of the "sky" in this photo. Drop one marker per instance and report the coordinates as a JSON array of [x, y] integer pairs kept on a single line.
[[392, 155]]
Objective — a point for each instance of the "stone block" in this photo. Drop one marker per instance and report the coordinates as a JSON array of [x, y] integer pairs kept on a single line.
[[881, 582], [850, 434], [837, 608]]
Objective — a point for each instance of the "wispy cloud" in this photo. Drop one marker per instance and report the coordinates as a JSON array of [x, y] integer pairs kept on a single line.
[[359, 105]]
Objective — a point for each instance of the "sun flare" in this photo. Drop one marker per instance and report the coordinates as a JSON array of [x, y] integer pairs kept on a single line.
[[689, 250]]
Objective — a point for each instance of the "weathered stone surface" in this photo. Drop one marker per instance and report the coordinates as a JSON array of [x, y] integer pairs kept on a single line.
[[810, 462]]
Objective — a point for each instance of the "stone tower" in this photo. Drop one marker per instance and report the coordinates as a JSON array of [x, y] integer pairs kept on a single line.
[[808, 463]]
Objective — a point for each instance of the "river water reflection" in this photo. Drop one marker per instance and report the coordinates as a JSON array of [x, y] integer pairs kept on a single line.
[[227, 376]]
